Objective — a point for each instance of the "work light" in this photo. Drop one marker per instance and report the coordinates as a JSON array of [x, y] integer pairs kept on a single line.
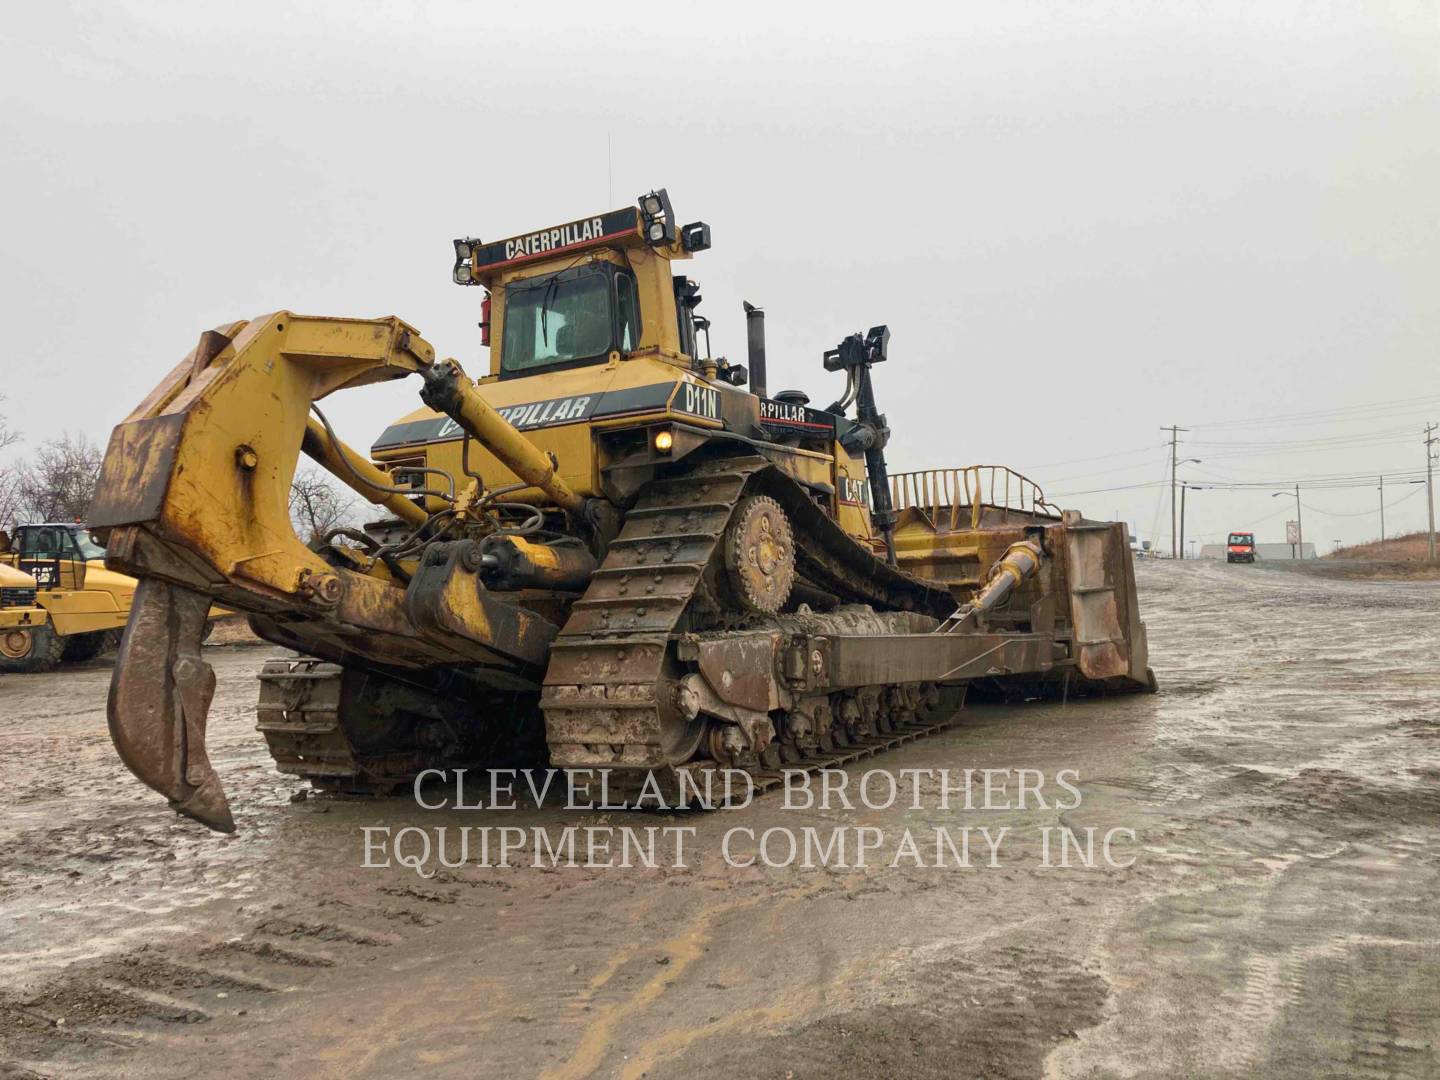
[[695, 236], [659, 217], [464, 253]]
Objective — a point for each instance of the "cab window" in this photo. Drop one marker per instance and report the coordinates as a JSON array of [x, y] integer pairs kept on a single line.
[[627, 311], [47, 541], [572, 317]]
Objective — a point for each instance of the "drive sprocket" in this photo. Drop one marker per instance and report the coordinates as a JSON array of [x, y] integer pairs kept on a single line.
[[760, 555]]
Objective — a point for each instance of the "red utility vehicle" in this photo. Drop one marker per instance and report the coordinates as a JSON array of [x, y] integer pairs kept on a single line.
[[1241, 547]]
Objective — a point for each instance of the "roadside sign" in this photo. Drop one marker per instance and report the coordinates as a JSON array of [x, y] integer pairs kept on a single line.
[[1292, 532]]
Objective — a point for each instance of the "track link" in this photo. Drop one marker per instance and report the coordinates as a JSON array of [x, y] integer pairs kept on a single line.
[[608, 696], [604, 689], [299, 715]]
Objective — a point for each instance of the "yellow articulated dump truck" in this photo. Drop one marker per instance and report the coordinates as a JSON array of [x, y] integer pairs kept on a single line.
[[21, 618], [610, 550], [85, 605]]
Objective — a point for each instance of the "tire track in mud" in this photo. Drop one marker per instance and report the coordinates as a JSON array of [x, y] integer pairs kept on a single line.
[[161, 995], [996, 1010], [1277, 950], [676, 955]]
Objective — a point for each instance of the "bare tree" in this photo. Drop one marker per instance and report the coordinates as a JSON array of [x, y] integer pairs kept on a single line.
[[58, 484], [317, 505], [9, 474], [8, 435]]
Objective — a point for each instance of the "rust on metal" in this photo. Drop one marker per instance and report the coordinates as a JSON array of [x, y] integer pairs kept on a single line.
[[160, 699]]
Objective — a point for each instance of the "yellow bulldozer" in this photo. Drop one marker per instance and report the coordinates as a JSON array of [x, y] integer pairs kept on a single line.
[[612, 550], [83, 607]]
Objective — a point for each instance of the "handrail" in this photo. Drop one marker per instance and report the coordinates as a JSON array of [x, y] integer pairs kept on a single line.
[[945, 492]]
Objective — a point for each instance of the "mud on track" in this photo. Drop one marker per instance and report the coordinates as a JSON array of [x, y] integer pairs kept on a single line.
[[1279, 920]]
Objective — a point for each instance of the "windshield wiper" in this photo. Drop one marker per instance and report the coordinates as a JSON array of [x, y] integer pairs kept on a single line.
[[551, 287]]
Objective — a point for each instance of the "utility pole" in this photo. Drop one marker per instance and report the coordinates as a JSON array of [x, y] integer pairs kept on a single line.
[[1382, 509], [1430, 483], [1297, 549], [1299, 521], [1174, 465], [1183, 488]]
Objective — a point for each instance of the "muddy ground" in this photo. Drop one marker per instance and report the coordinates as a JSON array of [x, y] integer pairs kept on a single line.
[[1279, 919]]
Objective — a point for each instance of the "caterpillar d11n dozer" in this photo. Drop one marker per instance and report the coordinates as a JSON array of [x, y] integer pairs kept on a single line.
[[605, 550]]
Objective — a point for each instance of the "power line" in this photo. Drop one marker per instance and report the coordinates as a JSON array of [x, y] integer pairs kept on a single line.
[[1097, 457], [1410, 404], [1320, 440], [1121, 487], [1322, 480], [1251, 520], [1230, 455], [1361, 513], [1338, 484], [1098, 472], [1247, 478]]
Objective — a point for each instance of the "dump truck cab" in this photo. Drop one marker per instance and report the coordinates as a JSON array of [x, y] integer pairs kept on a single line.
[[1240, 547], [58, 555]]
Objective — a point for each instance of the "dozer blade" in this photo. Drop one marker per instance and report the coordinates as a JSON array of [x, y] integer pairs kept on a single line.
[[159, 699]]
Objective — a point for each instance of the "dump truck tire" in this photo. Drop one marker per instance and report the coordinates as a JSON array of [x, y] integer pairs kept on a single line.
[[79, 647], [30, 650]]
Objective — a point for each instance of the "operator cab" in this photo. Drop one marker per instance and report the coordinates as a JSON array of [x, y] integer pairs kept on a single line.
[[55, 553], [577, 316], [57, 541], [588, 291]]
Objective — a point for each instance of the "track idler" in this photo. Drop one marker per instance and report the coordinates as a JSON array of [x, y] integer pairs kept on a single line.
[[160, 697]]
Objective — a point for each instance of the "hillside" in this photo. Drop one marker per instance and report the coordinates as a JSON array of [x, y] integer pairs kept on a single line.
[[1401, 558], [1412, 547]]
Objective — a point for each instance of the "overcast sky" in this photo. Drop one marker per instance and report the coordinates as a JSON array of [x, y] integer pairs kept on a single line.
[[1080, 221]]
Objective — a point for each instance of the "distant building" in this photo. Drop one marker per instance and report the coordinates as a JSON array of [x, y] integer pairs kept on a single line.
[[1274, 552]]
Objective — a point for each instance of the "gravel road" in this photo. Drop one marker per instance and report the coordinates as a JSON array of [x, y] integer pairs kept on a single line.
[[1268, 910]]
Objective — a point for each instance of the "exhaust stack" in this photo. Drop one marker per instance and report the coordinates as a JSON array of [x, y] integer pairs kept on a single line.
[[755, 347]]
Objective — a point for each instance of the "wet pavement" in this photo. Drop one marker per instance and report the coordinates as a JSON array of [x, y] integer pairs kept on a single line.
[[1279, 798]]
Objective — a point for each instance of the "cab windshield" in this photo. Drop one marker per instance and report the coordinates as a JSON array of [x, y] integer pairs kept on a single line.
[[1241, 538], [59, 542], [566, 318]]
